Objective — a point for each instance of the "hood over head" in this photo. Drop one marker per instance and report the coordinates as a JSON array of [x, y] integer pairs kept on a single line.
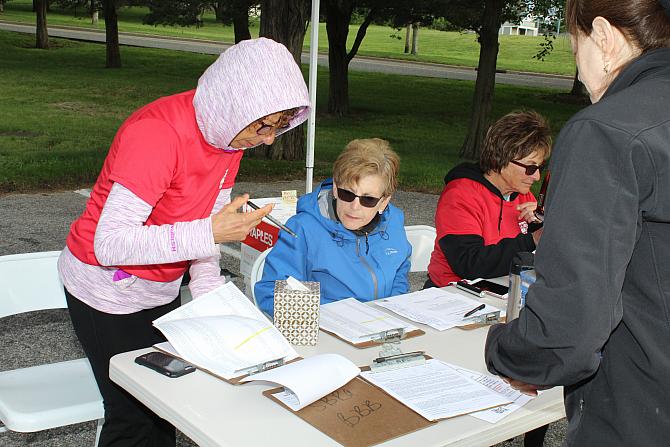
[[248, 81]]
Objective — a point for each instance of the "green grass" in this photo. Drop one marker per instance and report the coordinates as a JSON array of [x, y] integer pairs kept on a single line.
[[60, 109], [516, 52]]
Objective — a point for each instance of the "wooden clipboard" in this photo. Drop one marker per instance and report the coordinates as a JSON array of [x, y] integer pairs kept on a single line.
[[358, 414], [367, 344]]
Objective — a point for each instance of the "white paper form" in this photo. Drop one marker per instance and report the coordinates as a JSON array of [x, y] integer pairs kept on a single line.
[[438, 308], [223, 332], [498, 385], [435, 390], [310, 379], [357, 322], [281, 211]]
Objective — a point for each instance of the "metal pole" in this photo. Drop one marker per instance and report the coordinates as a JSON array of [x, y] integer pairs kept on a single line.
[[311, 122]]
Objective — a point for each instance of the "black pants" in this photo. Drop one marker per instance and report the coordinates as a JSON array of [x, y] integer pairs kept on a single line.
[[102, 335]]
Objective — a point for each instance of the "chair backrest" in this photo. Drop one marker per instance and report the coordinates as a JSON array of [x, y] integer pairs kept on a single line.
[[257, 272], [422, 239], [30, 282]]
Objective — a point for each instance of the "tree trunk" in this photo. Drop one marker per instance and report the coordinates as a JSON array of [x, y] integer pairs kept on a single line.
[[486, 78], [578, 89], [111, 34], [338, 17], [241, 21], [2, 6], [42, 34], [94, 12], [408, 36], [285, 22], [415, 39]]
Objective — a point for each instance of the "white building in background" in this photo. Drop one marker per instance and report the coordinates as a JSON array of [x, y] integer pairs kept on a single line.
[[530, 26]]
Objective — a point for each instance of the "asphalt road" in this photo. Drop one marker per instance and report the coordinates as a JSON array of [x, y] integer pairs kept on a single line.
[[359, 63]]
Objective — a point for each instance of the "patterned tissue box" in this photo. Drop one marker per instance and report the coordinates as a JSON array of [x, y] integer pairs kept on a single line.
[[296, 313]]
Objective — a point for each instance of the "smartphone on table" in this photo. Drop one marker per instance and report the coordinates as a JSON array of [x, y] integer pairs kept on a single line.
[[165, 364], [491, 287]]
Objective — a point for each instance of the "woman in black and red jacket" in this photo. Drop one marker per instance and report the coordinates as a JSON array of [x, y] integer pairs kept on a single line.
[[483, 214]]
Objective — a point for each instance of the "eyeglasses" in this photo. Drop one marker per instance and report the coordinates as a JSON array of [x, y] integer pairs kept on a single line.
[[530, 169], [277, 127], [366, 201]]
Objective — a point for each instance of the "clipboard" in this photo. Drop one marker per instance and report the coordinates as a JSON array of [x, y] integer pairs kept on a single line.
[[358, 414], [233, 380], [380, 339]]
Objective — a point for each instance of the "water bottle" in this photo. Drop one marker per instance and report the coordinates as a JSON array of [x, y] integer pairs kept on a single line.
[[522, 261]]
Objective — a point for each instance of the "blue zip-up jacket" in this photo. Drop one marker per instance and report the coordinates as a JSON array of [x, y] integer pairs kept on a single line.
[[365, 266]]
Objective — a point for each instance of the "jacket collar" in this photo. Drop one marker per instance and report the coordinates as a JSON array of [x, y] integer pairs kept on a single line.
[[647, 65]]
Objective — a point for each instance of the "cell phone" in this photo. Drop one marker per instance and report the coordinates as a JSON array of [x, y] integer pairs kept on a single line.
[[491, 287], [165, 364]]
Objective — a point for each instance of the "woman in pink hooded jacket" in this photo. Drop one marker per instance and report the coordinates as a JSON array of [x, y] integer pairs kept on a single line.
[[160, 206]]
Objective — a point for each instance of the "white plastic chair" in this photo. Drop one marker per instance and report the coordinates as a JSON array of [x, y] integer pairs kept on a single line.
[[257, 272], [422, 239], [50, 395]]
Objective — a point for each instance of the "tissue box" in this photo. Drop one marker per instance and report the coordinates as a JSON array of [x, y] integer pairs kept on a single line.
[[296, 312]]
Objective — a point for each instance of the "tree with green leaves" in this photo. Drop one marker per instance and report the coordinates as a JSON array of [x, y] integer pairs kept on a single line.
[[485, 18], [338, 15]]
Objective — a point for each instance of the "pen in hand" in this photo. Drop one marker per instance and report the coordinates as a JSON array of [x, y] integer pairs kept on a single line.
[[272, 219], [476, 309]]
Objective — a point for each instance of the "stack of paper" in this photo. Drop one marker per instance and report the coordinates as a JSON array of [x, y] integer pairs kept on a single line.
[[223, 333], [308, 380], [436, 390], [357, 323], [439, 308]]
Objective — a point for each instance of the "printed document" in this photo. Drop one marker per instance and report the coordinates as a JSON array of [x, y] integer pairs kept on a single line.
[[439, 308], [498, 385], [357, 322], [306, 381], [435, 390], [223, 333]]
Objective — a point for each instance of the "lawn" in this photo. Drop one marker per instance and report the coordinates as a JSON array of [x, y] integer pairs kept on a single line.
[[59, 110], [516, 52]]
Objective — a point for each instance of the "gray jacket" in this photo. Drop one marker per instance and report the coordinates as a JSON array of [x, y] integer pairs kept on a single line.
[[597, 320]]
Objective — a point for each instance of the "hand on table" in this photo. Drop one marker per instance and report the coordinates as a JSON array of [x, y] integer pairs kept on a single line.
[[230, 225]]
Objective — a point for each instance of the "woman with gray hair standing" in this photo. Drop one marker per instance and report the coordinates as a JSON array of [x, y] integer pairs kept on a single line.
[[597, 321]]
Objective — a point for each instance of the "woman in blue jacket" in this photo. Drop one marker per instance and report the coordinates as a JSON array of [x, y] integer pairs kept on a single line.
[[350, 238]]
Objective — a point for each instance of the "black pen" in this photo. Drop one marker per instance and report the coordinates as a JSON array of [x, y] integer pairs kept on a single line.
[[470, 312], [272, 219]]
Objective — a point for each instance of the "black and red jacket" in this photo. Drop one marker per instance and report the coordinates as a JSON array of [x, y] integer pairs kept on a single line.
[[478, 231]]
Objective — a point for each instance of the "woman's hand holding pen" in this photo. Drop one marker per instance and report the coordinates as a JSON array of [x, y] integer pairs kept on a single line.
[[230, 225], [527, 212]]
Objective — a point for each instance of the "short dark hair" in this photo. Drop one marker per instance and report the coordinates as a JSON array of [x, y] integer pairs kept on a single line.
[[513, 137], [645, 22]]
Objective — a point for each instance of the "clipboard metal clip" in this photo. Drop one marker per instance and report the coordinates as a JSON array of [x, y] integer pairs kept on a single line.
[[389, 339], [486, 319], [262, 366], [396, 361], [389, 336]]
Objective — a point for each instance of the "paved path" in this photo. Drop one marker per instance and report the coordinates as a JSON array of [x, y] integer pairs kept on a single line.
[[368, 64]]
